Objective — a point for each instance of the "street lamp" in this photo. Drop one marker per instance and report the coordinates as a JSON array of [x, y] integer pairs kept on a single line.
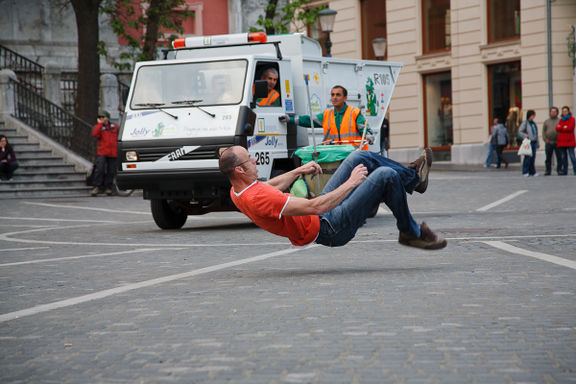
[[379, 46], [326, 18]]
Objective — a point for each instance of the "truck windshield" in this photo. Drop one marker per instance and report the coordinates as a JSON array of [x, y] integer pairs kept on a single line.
[[198, 84]]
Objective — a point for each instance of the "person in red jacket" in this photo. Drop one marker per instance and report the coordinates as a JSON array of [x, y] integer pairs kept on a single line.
[[566, 140], [107, 135]]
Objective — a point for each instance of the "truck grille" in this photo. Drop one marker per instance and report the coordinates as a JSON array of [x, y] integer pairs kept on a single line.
[[199, 154]]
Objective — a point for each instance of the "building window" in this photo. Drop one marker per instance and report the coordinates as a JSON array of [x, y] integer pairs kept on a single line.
[[436, 34], [505, 87], [503, 20], [438, 110], [373, 26]]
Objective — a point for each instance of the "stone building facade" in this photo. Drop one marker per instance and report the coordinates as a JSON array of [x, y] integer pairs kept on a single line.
[[465, 62]]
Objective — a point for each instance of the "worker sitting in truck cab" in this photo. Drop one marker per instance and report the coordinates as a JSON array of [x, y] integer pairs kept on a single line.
[[273, 98], [343, 124]]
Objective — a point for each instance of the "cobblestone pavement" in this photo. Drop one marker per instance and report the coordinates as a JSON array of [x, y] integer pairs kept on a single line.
[[93, 292]]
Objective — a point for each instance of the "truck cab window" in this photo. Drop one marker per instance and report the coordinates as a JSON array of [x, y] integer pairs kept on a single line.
[[202, 83], [269, 73]]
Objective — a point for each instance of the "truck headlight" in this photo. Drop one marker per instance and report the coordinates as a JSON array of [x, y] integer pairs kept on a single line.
[[131, 156]]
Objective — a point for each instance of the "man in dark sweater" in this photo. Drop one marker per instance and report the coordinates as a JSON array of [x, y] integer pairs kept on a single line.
[[550, 135]]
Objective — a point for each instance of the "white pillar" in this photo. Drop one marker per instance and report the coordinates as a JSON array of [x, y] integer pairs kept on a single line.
[[7, 107], [51, 80], [109, 99]]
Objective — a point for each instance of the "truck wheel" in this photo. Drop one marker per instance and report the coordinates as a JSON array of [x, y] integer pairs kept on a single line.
[[165, 216]]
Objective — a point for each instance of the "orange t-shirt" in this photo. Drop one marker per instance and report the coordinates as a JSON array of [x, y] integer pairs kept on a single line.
[[264, 205]]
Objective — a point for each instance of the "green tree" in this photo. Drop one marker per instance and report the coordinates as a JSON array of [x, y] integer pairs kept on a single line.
[[123, 17], [128, 24], [294, 14]]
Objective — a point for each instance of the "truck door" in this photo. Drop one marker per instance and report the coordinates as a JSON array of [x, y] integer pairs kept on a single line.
[[269, 143]]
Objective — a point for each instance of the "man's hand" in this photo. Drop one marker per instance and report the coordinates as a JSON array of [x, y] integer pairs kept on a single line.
[[309, 168], [323, 203], [358, 175]]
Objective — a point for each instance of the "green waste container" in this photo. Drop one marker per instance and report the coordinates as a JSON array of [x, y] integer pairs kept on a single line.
[[329, 158]]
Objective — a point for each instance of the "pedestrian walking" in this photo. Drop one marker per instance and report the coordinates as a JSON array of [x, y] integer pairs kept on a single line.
[[491, 155], [566, 139], [500, 139], [106, 133], [550, 136], [528, 129]]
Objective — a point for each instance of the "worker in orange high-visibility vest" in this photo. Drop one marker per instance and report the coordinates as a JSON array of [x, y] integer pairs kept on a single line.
[[273, 98], [343, 124]]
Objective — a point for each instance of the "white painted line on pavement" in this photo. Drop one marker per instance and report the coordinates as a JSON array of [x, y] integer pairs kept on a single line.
[[480, 239], [36, 261], [51, 219], [8, 237], [86, 208], [201, 218], [143, 284], [501, 201], [22, 249], [536, 255]]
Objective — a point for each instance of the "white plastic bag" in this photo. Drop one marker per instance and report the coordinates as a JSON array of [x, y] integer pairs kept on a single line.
[[525, 148]]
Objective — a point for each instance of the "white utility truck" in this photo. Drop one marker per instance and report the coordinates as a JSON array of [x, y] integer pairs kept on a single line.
[[183, 111]]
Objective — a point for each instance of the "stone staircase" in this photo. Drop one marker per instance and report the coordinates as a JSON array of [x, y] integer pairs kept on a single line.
[[40, 174]]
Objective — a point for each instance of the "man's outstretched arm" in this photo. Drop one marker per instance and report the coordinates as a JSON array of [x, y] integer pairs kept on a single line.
[[283, 181], [300, 207]]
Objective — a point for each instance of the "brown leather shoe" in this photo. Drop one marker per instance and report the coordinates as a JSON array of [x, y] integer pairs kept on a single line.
[[427, 239], [422, 166]]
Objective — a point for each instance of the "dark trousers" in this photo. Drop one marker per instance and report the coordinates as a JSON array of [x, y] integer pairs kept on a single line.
[[104, 172], [7, 169], [550, 148], [499, 149]]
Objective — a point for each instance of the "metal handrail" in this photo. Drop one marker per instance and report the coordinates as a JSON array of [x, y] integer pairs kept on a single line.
[[53, 121], [28, 72]]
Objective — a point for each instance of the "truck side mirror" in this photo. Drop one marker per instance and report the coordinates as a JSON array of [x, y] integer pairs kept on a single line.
[[260, 91]]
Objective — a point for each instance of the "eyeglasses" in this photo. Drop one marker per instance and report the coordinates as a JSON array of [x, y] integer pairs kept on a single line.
[[239, 164]]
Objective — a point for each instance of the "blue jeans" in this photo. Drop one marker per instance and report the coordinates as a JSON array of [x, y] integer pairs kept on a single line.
[[565, 152], [387, 181], [528, 165], [490, 155]]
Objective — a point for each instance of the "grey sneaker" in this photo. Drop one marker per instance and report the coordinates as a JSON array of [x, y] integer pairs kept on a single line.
[[95, 191], [427, 239], [422, 166]]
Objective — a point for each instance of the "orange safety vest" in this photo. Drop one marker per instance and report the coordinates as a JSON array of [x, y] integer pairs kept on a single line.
[[272, 96], [348, 132]]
